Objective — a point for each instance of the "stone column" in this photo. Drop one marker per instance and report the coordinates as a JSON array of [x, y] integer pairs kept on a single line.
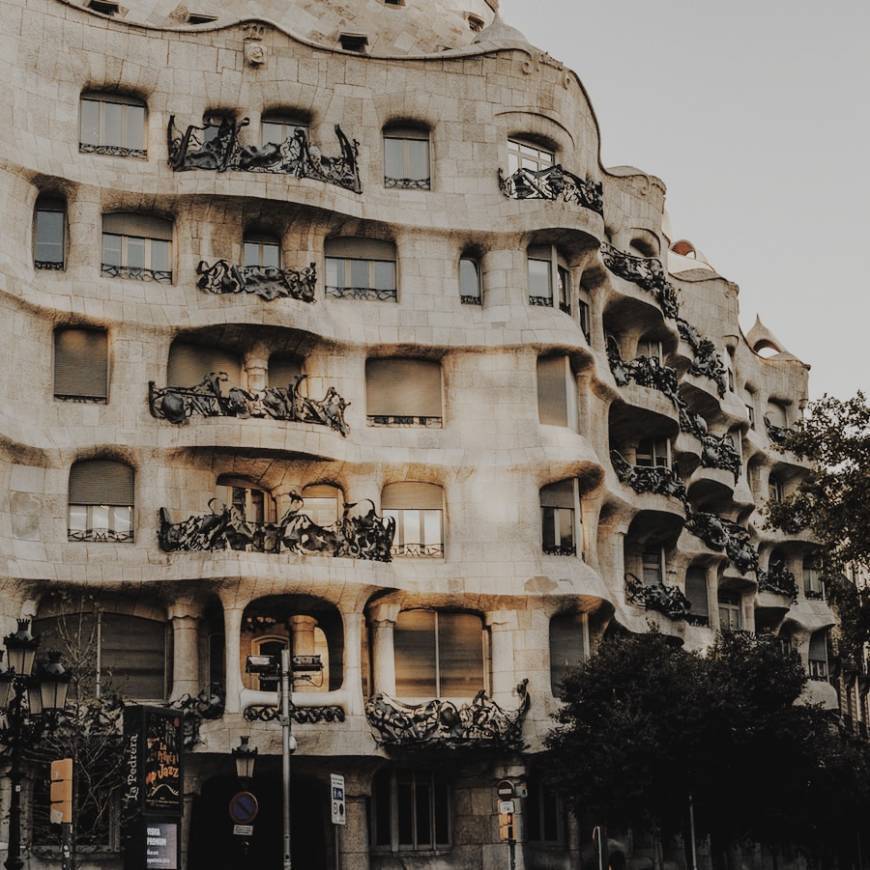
[[301, 629], [232, 646], [353, 837], [383, 622], [256, 365], [184, 614], [713, 596], [352, 680], [502, 624]]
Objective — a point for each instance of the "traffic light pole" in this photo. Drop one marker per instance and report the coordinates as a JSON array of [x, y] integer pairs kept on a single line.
[[285, 751]]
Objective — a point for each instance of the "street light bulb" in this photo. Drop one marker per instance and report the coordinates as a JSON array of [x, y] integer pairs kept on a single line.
[[291, 744], [21, 649]]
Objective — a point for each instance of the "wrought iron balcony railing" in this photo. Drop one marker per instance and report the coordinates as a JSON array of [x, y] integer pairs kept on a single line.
[[357, 535], [419, 551], [100, 536], [267, 282], [555, 184], [647, 272], [136, 273], [721, 534], [470, 300], [406, 420], [407, 183], [222, 150], [706, 361], [113, 150], [560, 550], [717, 451], [542, 301], [646, 371], [779, 580], [365, 294], [207, 399], [668, 600], [657, 479], [440, 723], [777, 434], [50, 265], [301, 715]]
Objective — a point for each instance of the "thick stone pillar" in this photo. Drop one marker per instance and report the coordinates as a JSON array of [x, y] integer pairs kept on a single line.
[[353, 837], [256, 365], [383, 622], [184, 614], [301, 630], [232, 647], [352, 680], [713, 596], [502, 624]]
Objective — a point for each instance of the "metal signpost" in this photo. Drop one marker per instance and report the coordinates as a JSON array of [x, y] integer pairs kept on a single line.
[[506, 793], [339, 810]]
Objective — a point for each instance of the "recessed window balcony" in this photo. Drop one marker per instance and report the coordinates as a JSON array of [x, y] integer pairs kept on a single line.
[[658, 596], [647, 272], [656, 479]]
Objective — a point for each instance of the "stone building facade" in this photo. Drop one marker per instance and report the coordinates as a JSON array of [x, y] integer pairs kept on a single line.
[[326, 327]]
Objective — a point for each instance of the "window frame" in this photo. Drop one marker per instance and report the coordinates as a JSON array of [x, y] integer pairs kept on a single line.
[[72, 397], [584, 318], [262, 241], [551, 515], [559, 280], [658, 458], [59, 208], [541, 156], [730, 605], [347, 289], [434, 782], [471, 298], [123, 148], [285, 121], [424, 549], [408, 136], [535, 799], [661, 564]]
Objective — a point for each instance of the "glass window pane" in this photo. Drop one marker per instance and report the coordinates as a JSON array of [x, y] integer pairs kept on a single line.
[[394, 166], [411, 527], [359, 273], [271, 255], [469, 279], [414, 640], [460, 654], [405, 801], [274, 133], [551, 815], [49, 236], [113, 124], [334, 272], [136, 127], [90, 122], [98, 516], [122, 519], [442, 813], [78, 517], [160, 255], [513, 163], [432, 528], [652, 567], [385, 275], [251, 254], [566, 527], [540, 278], [111, 250], [381, 794], [135, 252], [548, 531], [418, 158], [423, 811]]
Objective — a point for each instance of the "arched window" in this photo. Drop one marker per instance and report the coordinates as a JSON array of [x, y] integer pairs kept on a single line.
[[115, 651], [256, 505], [814, 586], [284, 369], [261, 250], [569, 647], [469, 280], [439, 654], [410, 811], [49, 232], [406, 158], [361, 269], [112, 124], [730, 611], [418, 509], [323, 503], [101, 501], [190, 363], [403, 392], [556, 399], [279, 127], [523, 154], [818, 655], [137, 246], [81, 364], [558, 517], [696, 592]]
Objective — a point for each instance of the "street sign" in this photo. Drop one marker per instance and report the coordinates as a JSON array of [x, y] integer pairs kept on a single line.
[[505, 789], [336, 784], [244, 807], [506, 808], [61, 791], [243, 830]]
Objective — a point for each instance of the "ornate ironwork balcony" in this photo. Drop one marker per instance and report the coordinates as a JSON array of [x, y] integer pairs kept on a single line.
[[355, 536], [419, 551], [207, 399], [267, 282], [542, 301], [302, 715], [470, 300], [779, 580], [296, 156], [721, 534], [717, 451], [777, 434], [440, 723], [208, 704], [561, 550], [50, 265], [404, 420], [668, 600], [647, 272], [553, 183], [365, 294], [113, 150], [136, 273], [706, 361], [657, 479], [646, 371], [407, 183], [100, 536]]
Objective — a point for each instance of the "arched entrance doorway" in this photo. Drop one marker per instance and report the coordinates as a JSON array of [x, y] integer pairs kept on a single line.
[[213, 846]]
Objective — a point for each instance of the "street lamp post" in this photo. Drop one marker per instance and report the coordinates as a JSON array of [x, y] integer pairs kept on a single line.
[[30, 703]]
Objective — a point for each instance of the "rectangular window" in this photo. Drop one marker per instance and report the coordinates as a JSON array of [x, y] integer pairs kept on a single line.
[[750, 413], [540, 282], [263, 253], [277, 131], [406, 159], [564, 290], [651, 452], [774, 490], [469, 281], [112, 124], [584, 316], [650, 348], [411, 811], [730, 613], [81, 363], [418, 533], [653, 562], [558, 531], [403, 392], [49, 235], [345, 275], [553, 390], [544, 814], [137, 258], [526, 156]]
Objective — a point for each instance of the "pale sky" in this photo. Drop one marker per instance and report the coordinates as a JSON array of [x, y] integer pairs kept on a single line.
[[756, 114]]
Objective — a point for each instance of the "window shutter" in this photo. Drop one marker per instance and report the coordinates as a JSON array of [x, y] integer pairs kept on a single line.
[[540, 252], [190, 363], [283, 369], [552, 391], [414, 641], [101, 481], [139, 225], [696, 590], [406, 133], [566, 648], [403, 387], [134, 655], [360, 249], [81, 359], [460, 654], [558, 495], [412, 496]]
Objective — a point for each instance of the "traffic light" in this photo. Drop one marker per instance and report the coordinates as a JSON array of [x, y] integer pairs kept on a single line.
[[61, 791], [506, 827]]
